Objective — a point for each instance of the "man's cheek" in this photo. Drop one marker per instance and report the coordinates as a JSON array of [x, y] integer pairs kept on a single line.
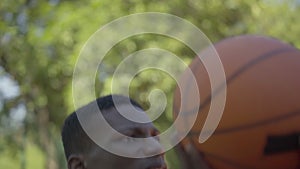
[[131, 148]]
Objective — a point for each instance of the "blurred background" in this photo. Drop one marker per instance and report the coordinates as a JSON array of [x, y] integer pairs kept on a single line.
[[40, 41]]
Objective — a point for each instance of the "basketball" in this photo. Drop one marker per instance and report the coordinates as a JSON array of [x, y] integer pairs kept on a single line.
[[260, 125]]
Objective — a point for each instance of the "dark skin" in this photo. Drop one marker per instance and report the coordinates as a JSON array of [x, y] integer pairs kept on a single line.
[[98, 158]]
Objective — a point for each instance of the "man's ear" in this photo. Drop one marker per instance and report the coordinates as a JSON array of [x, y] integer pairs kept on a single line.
[[76, 161]]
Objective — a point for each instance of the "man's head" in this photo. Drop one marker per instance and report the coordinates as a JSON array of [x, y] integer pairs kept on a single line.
[[82, 153]]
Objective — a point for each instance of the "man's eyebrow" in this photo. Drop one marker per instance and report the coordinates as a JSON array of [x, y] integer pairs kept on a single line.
[[136, 129]]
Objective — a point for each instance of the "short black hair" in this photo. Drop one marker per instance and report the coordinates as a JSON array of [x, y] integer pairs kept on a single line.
[[74, 138]]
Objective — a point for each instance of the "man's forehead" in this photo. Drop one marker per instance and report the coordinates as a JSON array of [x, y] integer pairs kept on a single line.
[[125, 110], [123, 113]]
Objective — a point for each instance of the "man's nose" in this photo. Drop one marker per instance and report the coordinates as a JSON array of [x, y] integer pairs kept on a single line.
[[152, 147]]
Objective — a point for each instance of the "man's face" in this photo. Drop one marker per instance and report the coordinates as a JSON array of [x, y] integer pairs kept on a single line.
[[99, 158]]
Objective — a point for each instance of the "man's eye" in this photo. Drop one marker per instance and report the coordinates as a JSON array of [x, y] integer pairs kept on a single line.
[[155, 135]]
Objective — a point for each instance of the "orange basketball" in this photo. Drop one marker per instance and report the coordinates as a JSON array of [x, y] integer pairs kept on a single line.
[[260, 126]]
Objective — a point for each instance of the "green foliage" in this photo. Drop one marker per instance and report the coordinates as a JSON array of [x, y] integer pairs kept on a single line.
[[40, 42], [33, 158]]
